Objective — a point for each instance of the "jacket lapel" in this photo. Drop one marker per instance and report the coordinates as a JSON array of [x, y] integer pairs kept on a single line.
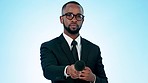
[[84, 50], [66, 49]]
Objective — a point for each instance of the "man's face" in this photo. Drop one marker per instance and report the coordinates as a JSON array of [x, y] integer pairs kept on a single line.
[[71, 18]]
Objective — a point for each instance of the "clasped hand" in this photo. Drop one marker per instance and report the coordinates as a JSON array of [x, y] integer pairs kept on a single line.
[[85, 74]]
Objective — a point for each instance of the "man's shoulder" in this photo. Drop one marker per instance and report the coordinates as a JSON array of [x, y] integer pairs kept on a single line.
[[51, 42], [91, 46], [89, 42]]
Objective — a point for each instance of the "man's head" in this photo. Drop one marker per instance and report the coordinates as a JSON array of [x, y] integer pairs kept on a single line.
[[72, 17]]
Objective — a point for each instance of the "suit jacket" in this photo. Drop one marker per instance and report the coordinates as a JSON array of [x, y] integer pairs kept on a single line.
[[56, 55]]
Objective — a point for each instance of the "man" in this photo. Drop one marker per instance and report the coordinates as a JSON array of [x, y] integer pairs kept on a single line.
[[58, 57]]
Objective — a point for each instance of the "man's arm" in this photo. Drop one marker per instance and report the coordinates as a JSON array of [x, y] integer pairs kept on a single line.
[[100, 72], [50, 67]]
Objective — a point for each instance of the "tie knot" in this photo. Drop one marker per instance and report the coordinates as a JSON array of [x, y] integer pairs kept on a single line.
[[74, 43]]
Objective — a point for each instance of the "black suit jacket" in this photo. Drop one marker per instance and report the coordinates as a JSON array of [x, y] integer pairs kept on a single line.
[[56, 55]]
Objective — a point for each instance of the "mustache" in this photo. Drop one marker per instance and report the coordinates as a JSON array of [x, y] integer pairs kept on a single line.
[[73, 24]]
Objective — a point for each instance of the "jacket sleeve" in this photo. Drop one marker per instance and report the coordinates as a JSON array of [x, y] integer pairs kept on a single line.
[[100, 72], [49, 64]]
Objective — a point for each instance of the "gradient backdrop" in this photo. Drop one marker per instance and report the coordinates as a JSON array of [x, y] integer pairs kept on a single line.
[[119, 27]]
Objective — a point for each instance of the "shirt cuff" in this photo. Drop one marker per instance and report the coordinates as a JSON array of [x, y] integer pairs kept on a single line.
[[65, 74], [94, 80]]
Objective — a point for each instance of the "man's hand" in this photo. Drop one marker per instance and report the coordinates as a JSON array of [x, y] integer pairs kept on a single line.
[[72, 72], [87, 75]]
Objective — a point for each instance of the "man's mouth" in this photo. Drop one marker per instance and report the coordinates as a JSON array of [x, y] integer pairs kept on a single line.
[[73, 25]]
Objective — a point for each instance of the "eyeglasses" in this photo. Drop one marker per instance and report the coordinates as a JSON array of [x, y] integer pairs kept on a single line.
[[70, 16]]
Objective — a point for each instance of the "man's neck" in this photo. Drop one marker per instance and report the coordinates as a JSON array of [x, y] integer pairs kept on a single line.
[[73, 36]]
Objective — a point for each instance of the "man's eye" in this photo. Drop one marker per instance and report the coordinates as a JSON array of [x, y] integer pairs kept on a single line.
[[79, 16], [69, 14]]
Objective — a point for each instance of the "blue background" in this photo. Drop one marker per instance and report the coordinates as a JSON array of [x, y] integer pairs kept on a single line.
[[119, 27]]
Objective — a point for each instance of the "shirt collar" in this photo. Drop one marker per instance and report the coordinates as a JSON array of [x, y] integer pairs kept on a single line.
[[69, 40]]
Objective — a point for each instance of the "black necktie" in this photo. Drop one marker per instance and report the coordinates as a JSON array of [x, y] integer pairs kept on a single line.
[[74, 50]]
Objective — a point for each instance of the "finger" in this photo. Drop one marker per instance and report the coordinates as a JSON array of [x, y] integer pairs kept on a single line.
[[73, 77], [82, 78], [86, 71], [84, 74], [87, 68], [75, 74]]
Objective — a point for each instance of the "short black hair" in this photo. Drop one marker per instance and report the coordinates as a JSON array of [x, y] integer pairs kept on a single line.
[[73, 2]]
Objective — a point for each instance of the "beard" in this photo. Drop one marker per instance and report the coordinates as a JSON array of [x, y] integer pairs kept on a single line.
[[72, 31]]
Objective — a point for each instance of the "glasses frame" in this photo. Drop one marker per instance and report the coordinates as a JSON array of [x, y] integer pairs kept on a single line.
[[74, 15]]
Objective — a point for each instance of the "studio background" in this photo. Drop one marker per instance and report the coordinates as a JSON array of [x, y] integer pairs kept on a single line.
[[119, 27]]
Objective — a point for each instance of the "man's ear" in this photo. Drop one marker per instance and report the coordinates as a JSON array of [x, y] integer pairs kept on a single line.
[[61, 19]]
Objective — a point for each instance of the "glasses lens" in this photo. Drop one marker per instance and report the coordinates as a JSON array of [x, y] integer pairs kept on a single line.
[[79, 17], [69, 16]]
